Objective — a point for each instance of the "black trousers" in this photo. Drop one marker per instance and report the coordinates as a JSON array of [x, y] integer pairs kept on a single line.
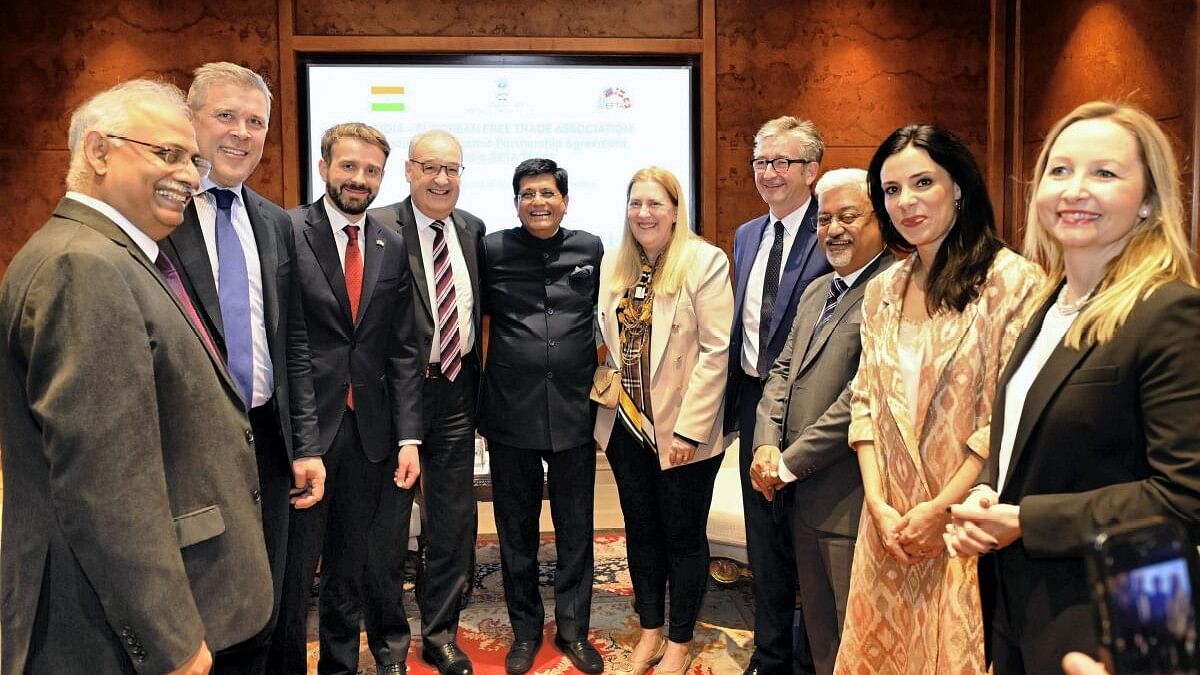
[[448, 513], [772, 556], [359, 532], [666, 533], [517, 497], [275, 483]]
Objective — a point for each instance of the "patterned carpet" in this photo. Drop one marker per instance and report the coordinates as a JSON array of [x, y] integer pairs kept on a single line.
[[723, 636]]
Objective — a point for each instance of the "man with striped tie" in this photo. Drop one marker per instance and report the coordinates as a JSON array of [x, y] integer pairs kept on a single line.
[[805, 409], [443, 248]]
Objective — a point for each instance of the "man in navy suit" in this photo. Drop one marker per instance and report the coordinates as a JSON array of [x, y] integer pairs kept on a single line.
[[234, 252], [775, 256], [358, 304]]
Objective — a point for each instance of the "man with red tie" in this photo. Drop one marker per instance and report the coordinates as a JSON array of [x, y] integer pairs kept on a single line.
[[356, 286], [444, 245]]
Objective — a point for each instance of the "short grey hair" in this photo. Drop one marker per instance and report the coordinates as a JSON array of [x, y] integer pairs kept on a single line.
[[109, 112], [433, 133], [221, 72], [836, 178], [812, 146]]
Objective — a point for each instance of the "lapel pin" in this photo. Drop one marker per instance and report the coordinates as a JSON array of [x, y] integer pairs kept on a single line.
[[379, 243]]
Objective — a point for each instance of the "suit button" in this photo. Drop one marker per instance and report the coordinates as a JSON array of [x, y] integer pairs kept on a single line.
[[250, 437], [553, 343], [546, 255], [256, 495], [548, 282], [549, 310], [549, 376]]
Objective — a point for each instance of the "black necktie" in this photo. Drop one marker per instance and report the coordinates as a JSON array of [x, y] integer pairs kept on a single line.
[[836, 288], [770, 290]]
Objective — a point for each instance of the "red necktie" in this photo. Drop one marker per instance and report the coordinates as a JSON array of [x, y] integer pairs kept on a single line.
[[163, 263], [447, 303], [354, 272]]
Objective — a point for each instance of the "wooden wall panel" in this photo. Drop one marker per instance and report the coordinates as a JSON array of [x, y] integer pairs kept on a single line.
[[501, 18], [1080, 50], [53, 60], [857, 69]]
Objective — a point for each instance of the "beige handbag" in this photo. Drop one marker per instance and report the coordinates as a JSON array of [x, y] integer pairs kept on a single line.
[[606, 386]]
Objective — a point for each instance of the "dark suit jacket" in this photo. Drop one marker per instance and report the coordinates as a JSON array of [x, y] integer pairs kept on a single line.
[[287, 338], [470, 238], [803, 264], [1109, 434], [541, 296], [131, 531], [805, 407], [378, 351]]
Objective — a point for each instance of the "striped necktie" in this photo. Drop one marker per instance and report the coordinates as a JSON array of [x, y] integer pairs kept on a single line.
[[836, 288], [447, 305]]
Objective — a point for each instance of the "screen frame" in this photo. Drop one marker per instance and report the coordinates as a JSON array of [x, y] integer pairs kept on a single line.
[[692, 62]]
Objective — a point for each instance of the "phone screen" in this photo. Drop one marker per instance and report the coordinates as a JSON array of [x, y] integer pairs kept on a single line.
[[1151, 611]]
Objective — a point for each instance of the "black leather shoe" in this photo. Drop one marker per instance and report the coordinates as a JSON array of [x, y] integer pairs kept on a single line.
[[520, 656], [582, 654], [393, 669], [448, 659]]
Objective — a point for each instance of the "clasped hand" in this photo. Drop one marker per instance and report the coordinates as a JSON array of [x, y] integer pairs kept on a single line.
[[982, 524], [764, 471], [914, 536]]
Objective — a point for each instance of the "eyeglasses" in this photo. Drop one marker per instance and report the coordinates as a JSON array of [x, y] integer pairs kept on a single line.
[[845, 218], [175, 158], [452, 170], [546, 195], [780, 164]]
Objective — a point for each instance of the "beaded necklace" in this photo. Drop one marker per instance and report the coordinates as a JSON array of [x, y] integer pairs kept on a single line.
[[635, 309]]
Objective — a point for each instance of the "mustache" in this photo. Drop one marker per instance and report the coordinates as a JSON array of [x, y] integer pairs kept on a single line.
[[838, 240]]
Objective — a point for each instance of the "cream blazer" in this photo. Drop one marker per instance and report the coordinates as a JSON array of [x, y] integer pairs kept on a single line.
[[689, 345]]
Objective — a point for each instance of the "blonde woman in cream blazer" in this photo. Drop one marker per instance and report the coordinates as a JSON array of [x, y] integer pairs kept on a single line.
[[665, 477]]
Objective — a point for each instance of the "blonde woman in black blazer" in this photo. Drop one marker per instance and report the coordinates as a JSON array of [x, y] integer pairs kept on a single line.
[[1097, 418]]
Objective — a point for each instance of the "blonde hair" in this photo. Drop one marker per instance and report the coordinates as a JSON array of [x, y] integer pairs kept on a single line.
[[363, 132], [224, 72], [1157, 252], [675, 265], [110, 112]]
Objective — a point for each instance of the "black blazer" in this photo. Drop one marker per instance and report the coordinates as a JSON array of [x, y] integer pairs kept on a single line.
[[1109, 434], [287, 337], [470, 229], [541, 296], [378, 352]]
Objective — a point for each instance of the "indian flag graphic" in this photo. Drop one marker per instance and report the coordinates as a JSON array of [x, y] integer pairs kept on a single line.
[[385, 98]]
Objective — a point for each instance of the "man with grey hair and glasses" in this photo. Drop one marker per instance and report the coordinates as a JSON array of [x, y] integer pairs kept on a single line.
[[236, 256], [131, 534], [775, 257], [804, 414]]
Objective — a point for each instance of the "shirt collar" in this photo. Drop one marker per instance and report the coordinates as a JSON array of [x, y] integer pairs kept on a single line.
[[338, 220], [853, 276], [793, 220], [207, 184], [141, 239], [424, 222]]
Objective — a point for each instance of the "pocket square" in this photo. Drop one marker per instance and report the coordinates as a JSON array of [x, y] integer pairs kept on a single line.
[[581, 272]]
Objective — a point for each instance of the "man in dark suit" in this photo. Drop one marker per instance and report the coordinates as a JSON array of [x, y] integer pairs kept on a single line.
[[131, 533], [805, 409], [356, 287], [235, 254], [775, 257], [540, 285], [443, 253]]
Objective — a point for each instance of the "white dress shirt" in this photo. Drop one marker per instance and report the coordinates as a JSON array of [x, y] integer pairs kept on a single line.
[[462, 283], [1054, 328], [206, 211], [785, 474], [143, 240], [752, 301]]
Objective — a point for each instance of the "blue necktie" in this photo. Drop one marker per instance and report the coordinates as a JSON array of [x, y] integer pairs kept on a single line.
[[233, 283]]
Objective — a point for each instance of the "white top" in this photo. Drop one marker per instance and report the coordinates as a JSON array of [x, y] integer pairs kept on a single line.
[[338, 221], [206, 211], [1054, 328], [462, 283], [143, 240], [752, 302], [912, 355]]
